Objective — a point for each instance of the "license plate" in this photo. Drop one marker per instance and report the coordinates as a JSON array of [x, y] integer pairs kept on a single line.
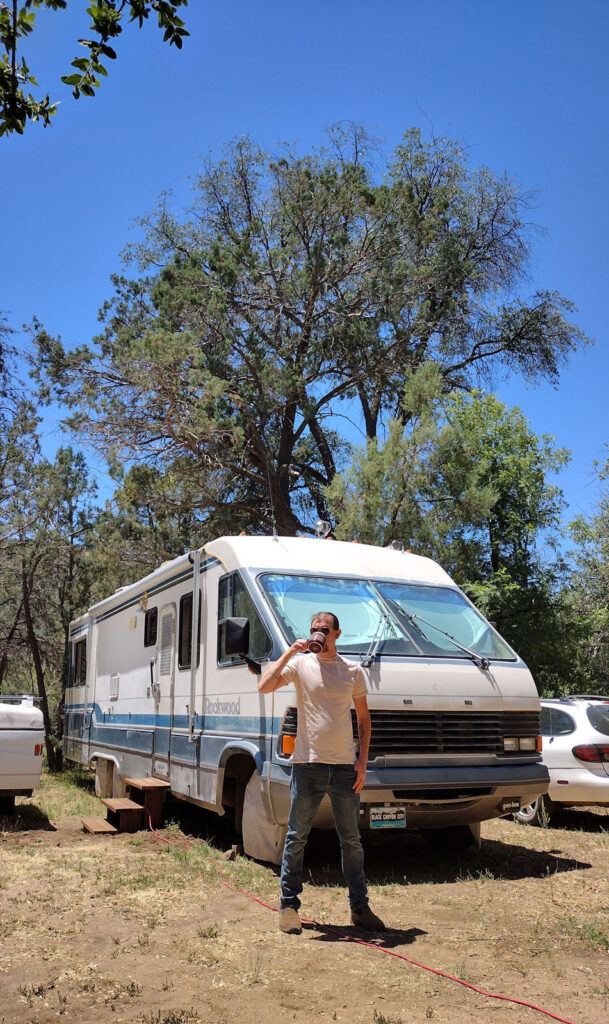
[[388, 817]]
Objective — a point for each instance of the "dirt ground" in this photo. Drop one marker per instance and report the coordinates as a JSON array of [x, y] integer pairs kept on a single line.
[[133, 929]]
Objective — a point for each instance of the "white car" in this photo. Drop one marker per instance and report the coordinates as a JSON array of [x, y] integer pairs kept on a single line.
[[21, 747], [575, 736]]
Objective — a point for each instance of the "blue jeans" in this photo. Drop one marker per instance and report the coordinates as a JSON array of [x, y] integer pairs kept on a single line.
[[310, 782]]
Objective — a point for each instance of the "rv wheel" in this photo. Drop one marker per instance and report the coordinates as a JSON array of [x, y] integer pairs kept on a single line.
[[263, 839]]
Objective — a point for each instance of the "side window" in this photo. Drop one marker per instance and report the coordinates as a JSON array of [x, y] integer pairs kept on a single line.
[[150, 627], [546, 722], [80, 663], [185, 632], [235, 602], [562, 723]]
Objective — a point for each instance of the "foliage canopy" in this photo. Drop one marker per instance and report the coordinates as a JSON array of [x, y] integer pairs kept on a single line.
[[17, 106], [299, 290]]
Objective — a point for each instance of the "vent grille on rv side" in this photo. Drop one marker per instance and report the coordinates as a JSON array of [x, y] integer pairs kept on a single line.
[[166, 643]]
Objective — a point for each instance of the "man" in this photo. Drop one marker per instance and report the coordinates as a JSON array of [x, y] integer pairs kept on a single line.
[[323, 762]]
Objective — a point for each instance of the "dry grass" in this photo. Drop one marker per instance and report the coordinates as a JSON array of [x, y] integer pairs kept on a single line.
[[135, 930]]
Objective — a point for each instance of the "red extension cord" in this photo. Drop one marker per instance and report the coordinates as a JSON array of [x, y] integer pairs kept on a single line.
[[370, 945]]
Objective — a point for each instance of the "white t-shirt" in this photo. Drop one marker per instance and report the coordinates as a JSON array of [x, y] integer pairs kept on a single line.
[[325, 690]]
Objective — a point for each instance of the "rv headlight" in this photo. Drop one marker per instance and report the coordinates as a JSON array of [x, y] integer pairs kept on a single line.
[[513, 743]]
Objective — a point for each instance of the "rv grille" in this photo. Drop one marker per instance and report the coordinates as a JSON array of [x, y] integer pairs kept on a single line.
[[440, 732]]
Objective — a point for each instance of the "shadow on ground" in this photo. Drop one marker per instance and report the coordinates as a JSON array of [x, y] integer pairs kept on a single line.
[[399, 859], [406, 859], [384, 940], [580, 819], [25, 818]]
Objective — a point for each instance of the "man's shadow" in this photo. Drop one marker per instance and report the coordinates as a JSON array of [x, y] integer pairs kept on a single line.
[[383, 940]]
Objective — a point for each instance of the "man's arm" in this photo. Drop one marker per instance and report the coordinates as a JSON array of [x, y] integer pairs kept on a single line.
[[271, 679], [364, 729]]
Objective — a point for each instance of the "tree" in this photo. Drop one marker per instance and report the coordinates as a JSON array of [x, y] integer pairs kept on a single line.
[[466, 482], [302, 289], [590, 595], [17, 23], [45, 578], [147, 522]]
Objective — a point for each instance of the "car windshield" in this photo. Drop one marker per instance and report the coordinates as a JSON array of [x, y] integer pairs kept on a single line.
[[379, 616]]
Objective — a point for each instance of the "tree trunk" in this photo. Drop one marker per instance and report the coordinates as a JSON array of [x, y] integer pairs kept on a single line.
[[52, 753], [494, 543], [11, 633]]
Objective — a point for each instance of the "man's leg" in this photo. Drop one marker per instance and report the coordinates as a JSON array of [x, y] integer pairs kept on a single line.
[[345, 805], [308, 785]]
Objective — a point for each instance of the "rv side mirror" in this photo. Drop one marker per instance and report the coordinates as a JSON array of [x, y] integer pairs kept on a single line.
[[236, 636], [236, 640]]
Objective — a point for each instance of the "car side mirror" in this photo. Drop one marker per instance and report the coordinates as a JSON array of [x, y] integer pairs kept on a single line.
[[237, 640]]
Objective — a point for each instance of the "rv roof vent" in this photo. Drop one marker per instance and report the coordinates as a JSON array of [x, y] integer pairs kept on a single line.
[[120, 589]]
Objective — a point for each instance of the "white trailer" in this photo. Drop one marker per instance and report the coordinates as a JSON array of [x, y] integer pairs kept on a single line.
[[21, 748], [455, 712]]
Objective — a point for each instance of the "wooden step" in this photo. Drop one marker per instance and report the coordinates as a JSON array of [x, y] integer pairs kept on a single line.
[[146, 783], [124, 814], [151, 792], [98, 827], [121, 803]]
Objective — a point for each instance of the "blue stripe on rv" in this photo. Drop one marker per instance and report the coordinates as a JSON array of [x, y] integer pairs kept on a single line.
[[234, 724]]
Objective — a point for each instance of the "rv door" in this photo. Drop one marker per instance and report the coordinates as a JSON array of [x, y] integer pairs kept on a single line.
[[162, 691]]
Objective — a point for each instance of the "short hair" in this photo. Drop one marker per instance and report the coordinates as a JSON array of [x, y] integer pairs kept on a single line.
[[330, 615]]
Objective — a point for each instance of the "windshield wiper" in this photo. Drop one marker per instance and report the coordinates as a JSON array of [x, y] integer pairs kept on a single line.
[[375, 643], [481, 662]]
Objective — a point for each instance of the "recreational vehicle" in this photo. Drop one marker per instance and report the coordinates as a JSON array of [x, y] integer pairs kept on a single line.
[[455, 712], [21, 747]]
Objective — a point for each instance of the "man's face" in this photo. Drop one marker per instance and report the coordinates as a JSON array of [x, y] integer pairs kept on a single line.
[[323, 623]]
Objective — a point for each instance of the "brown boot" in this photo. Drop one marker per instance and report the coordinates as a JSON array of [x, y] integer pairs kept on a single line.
[[364, 918], [289, 921]]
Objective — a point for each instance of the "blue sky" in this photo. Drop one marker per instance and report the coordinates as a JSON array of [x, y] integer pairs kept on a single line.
[[523, 83]]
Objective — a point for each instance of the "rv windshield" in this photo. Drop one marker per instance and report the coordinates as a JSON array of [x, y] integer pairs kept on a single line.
[[383, 617], [441, 613]]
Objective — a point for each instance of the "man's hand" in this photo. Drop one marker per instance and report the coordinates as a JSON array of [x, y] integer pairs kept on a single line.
[[360, 768], [271, 679]]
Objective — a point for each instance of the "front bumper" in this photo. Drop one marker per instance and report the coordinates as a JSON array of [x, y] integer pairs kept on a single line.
[[434, 797]]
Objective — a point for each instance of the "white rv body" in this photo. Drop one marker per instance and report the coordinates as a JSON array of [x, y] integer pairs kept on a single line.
[[21, 747], [454, 736]]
